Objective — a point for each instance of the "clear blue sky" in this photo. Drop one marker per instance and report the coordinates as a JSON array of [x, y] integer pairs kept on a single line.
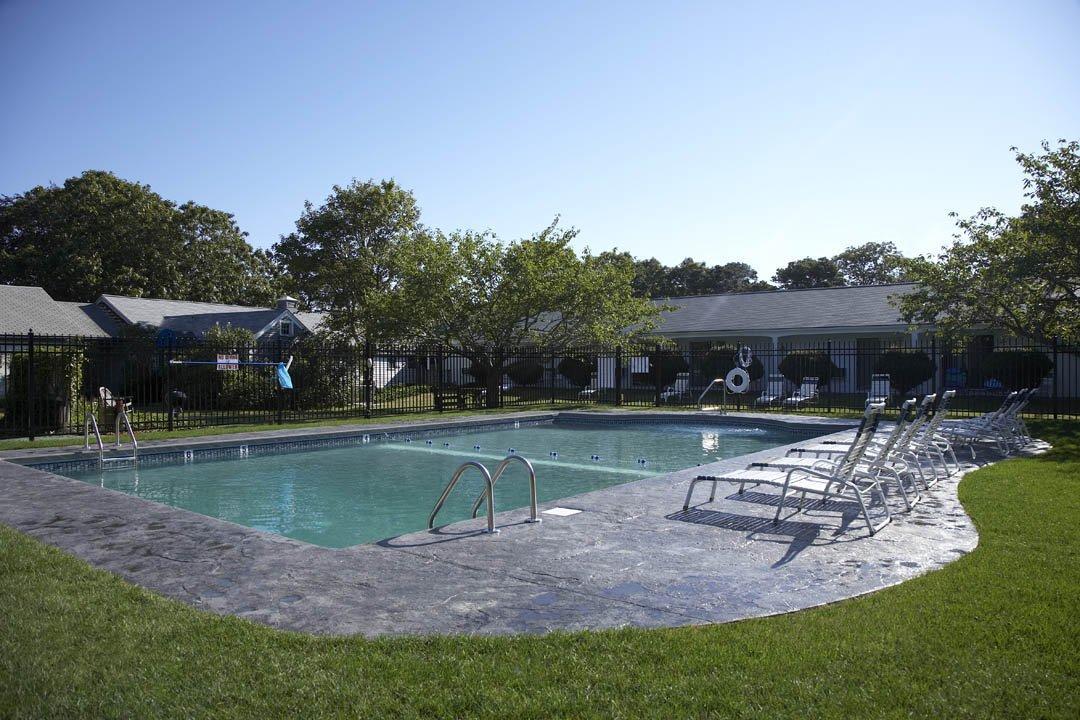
[[723, 131]]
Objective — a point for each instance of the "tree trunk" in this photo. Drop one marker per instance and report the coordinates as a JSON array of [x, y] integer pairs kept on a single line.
[[494, 381]]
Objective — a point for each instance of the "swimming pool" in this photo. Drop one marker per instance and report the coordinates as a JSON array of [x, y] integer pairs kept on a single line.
[[367, 491]]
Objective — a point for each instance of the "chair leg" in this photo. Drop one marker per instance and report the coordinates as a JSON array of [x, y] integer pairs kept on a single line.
[[780, 506], [865, 512]]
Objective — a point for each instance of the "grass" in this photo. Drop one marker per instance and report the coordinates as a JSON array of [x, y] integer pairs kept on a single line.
[[994, 634]]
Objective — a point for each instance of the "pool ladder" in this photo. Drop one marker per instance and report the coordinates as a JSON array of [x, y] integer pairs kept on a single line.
[[90, 423], [489, 491]]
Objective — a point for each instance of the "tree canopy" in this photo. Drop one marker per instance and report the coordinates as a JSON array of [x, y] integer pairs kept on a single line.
[[345, 257], [871, 263], [470, 291], [809, 273], [691, 277], [98, 233], [1018, 273]]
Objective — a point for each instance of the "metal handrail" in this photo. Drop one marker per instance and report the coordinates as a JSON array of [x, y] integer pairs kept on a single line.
[[450, 486], [90, 420], [707, 389], [122, 415], [499, 470]]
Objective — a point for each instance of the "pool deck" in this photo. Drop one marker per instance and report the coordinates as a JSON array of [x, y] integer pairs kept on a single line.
[[631, 557]]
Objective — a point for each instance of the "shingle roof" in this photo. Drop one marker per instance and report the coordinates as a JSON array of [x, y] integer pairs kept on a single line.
[[25, 308], [182, 316], [152, 311], [813, 309], [93, 320], [251, 319]]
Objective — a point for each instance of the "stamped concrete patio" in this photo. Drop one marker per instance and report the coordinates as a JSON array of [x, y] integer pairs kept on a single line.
[[632, 556]]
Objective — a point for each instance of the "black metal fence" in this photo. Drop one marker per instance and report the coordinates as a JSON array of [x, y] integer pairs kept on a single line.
[[47, 385]]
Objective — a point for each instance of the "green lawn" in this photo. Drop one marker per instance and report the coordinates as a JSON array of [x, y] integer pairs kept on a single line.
[[994, 634]]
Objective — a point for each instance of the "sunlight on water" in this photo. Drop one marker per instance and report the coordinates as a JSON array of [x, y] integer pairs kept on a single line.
[[338, 497]]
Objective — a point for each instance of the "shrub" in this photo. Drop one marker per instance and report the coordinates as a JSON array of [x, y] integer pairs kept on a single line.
[[578, 372], [809, 363], [671, 364], [323, 379], [525, 372], [719, 361], [56, 383], [1017, 369], [907, 370]]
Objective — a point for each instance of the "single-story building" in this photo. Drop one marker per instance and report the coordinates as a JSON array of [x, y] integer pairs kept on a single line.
[[792, 318], [24, 308]]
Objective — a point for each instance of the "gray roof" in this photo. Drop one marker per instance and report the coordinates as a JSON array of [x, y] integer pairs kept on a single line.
[[25, 308], [93, 320], [182, 316], [311, 320], [252, 319], [151, 311], [762, 312]]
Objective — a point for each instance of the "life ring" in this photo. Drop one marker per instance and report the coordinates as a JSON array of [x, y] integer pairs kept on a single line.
[[737, 380]]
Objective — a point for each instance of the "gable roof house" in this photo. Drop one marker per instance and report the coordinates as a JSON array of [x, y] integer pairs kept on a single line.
[[25, 308]]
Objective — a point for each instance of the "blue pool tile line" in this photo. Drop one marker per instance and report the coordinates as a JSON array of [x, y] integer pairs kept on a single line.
[[262, 447], [720, 422]]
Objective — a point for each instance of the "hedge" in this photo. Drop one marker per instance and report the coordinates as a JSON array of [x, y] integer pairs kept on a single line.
[[906, 370], [809, 363], [1016, 369]]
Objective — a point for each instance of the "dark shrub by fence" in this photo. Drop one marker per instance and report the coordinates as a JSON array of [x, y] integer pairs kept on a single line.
[[1016, 369], [525, 372], [906, 370], [578, 372], [809, 363], [716, 363], [56, 386]]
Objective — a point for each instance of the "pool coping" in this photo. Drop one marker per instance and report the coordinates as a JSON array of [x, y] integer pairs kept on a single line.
[[567, 573]]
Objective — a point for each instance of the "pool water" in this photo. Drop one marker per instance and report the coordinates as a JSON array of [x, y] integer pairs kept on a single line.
[[337, 497]]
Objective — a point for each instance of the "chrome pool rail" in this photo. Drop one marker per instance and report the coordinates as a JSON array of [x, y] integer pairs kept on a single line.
[[450, 486], [706, 392], [90, 421], [534, 517]]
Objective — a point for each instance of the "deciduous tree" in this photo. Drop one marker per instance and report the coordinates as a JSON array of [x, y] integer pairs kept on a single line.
[[483, 297], [345, 257], [98, 233], [1019, 273]]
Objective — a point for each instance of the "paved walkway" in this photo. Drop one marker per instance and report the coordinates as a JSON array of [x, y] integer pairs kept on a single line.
[[631, 557]]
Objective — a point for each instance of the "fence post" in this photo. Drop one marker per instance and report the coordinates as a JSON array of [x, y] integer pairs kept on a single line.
[[939, 375], [551, 375], [438, 378], [618, 376], [829, 394], [30, 384], [1054, 345], [369, 365], [658, 375], [280, 415]]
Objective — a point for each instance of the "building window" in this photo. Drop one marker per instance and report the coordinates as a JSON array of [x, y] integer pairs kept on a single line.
[[286, 328]]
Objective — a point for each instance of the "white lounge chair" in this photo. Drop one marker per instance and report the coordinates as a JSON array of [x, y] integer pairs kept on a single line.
[[773, 393], [1004, 428], [806, 393], [880, 389], [886, 458], [933, 446], [829, 479], [680, 388], [902, 449]]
